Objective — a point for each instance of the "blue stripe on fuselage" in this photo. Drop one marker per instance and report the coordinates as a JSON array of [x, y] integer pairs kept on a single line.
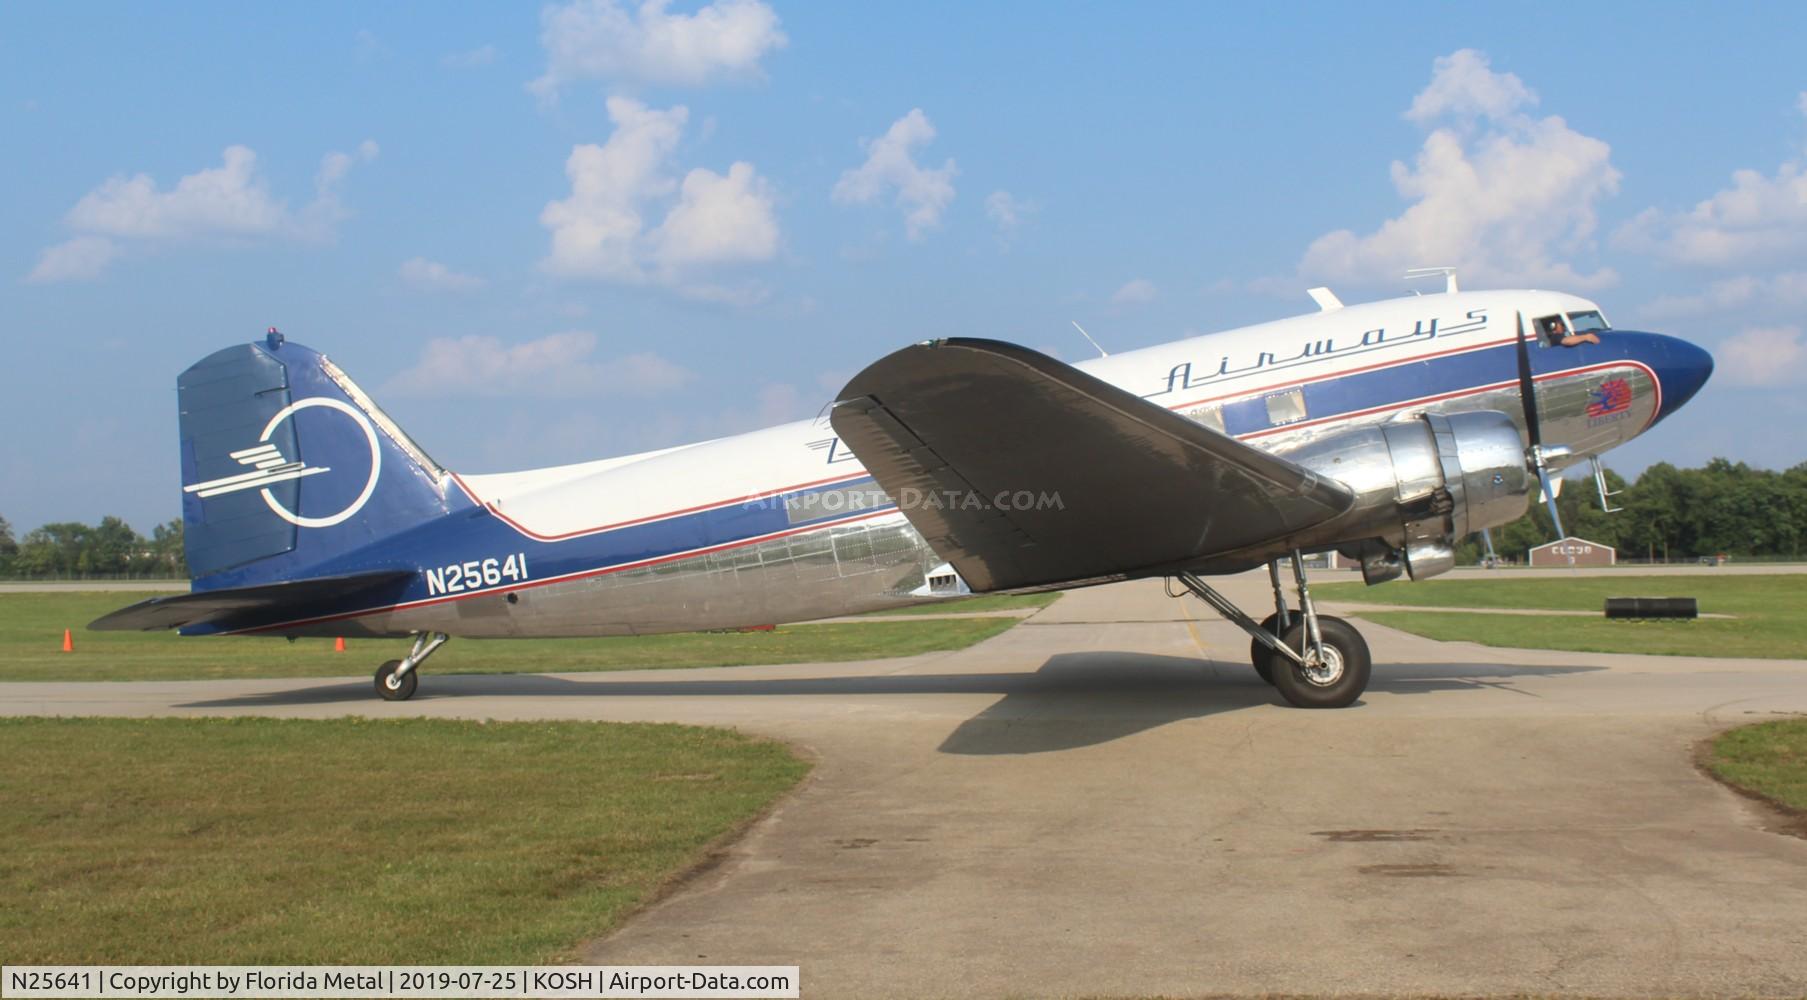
[[479, 534]]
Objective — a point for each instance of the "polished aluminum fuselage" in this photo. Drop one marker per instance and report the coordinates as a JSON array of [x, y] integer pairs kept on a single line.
[[1376, 363]]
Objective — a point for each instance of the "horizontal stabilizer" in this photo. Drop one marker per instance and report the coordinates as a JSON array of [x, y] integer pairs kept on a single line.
[[245, 607], [1025, 472]]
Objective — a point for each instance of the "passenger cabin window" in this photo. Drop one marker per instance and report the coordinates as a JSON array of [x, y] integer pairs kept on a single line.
[[1210, 416], [1286, 407]]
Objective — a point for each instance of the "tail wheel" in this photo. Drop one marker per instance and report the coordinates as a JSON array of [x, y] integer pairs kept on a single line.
[[393, 688], [1261, 656], [1334, 681]]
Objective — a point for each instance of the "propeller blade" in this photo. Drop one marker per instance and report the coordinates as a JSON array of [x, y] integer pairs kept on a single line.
[[1549, 495], [1527, 390], [1527, 394]]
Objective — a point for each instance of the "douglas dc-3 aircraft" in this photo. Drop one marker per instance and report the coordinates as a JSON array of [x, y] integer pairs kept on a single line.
[[1386, 431]]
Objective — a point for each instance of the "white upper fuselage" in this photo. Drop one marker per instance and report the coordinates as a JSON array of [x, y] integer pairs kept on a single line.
[[1203, 377]]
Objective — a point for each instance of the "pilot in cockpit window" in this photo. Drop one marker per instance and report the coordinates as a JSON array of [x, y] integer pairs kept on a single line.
[[1556, 332]]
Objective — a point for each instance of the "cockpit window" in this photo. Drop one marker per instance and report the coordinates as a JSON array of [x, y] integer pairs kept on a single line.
[[1556, 331], [1588, 322]]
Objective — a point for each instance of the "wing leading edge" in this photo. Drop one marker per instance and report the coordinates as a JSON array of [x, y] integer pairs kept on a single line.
[[1023, 471]]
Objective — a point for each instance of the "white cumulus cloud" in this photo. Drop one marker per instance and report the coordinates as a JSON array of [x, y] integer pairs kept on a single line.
[[1463, 84], [1004, 210], [74, 260], [229, 202], [432, 276], [559, 364], [604, 39], [719, 219], [596, 232], [1763, 356], [602, 230], [1760, 217], [1008, 213], [922, 192], [1505, 197], [230, 199], [1134, 291]]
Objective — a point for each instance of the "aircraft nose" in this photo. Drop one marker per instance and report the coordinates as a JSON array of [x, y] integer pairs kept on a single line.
[[1681, 368]]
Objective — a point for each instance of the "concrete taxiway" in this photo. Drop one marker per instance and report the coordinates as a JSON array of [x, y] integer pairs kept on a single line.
[[1105, 801]]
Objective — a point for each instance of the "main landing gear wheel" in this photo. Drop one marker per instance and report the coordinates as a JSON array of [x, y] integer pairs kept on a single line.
[[393, 688], [1329, 673], [1335, 680], [1261, 656]]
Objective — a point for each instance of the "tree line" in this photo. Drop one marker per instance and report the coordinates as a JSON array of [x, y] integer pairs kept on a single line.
[[110, 548], [1668, 514], [1672, 515]]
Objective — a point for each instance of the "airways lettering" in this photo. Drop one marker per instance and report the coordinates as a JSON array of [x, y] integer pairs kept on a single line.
[[1186, 376]]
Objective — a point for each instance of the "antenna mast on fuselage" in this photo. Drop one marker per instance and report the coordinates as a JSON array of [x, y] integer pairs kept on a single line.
[[1088, 339]]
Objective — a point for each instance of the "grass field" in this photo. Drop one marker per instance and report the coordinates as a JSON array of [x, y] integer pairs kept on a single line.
[[268, 841], [32, 624], [1770, 610], [1769, 758]]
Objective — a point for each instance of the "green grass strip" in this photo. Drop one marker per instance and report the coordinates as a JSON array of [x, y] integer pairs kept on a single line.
[[31, 636], [418, 841], [1768, 620], [1769, 758]]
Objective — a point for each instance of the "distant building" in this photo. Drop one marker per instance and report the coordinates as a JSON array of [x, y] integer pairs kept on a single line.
[[1574, 551]]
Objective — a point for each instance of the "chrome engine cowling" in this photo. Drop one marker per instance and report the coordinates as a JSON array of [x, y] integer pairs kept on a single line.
[[1421, 484]]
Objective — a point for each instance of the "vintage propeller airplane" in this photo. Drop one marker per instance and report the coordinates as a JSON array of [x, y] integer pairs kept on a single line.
[[1387, 431]]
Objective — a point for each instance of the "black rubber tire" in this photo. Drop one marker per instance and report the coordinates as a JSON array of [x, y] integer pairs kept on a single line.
[[403, 689], [1261, 656], [1342, 641]]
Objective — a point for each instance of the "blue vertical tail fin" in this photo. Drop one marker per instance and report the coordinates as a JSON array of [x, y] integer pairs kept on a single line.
[[289, 470]]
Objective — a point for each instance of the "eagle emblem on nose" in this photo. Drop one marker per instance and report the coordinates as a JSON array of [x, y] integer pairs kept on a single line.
[[1612, 396]]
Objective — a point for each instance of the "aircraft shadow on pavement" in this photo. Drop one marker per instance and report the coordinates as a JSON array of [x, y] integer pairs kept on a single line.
[[1073, 700], [1084, 699]]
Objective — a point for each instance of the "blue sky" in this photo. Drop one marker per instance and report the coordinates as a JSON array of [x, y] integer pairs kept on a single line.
[[541, 235]]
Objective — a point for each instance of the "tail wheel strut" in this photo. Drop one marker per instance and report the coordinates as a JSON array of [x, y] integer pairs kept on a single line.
[[397, 679]]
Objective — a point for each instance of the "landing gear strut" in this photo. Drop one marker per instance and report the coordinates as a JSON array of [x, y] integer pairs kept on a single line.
[[396, 680], [1313, 660], [1275, 624]]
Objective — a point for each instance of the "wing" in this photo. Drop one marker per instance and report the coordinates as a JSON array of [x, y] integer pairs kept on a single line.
[[1094, 482], [245, 606]]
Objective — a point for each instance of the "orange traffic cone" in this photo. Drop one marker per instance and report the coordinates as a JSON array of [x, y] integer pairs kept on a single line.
[[339, 645], [68, 641]]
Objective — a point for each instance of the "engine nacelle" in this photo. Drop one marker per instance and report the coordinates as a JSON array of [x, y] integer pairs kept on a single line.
[[1421, 484]]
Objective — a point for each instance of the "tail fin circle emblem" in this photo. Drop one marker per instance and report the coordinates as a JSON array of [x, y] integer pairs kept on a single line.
[[269, 466]]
